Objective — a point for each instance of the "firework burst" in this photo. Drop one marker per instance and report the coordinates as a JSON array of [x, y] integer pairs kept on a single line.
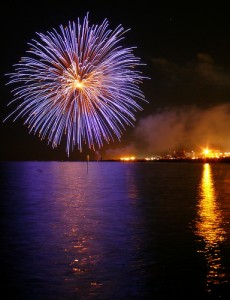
[[78, 83]]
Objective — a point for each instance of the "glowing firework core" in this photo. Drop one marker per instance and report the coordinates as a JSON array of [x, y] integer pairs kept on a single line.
[[78, 83]]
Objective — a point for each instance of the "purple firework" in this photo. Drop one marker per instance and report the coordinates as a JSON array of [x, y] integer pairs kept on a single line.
[[78, 83]]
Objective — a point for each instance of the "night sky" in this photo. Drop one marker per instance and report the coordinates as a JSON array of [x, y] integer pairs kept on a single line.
[[186, 49]]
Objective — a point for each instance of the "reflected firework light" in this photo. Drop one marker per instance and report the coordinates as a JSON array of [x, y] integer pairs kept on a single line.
[[79, 84]]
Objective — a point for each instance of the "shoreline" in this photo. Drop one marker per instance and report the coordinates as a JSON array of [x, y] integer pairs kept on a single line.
[[172, 160]]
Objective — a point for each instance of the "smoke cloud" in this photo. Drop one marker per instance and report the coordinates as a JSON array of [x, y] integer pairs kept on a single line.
[[189, 110], [188, 128], [203, 70]]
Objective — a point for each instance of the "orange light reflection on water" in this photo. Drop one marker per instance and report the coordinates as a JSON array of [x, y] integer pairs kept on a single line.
[[209, 226]]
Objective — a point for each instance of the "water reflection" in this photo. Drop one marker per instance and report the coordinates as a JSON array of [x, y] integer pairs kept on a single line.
[[95, 228], [209, 226]]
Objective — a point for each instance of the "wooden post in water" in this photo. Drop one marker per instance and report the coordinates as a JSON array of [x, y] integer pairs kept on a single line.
[[87, 158]]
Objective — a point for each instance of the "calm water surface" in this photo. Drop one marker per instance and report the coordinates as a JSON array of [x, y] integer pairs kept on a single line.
[[119, 231]]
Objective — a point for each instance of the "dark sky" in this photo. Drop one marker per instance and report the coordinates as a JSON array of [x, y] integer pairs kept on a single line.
[[187, 51]]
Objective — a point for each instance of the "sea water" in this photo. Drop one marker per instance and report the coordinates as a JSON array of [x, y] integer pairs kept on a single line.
[[115, 230]]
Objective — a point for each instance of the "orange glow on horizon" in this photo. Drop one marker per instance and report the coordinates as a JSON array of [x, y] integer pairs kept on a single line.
[[128, 158], [210, 153], [199, 154]]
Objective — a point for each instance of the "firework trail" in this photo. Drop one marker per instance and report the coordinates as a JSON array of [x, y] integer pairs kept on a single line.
[[78, 84]]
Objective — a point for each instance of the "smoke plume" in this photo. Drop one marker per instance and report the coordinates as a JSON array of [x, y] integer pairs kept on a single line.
[[192, 109], [187, 128]]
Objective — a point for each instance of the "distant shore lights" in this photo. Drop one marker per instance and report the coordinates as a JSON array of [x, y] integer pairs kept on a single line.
[[128, 158], [204, 153], [210, 153]]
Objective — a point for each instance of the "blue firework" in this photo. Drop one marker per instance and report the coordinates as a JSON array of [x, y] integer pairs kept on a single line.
[[78, 84]]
